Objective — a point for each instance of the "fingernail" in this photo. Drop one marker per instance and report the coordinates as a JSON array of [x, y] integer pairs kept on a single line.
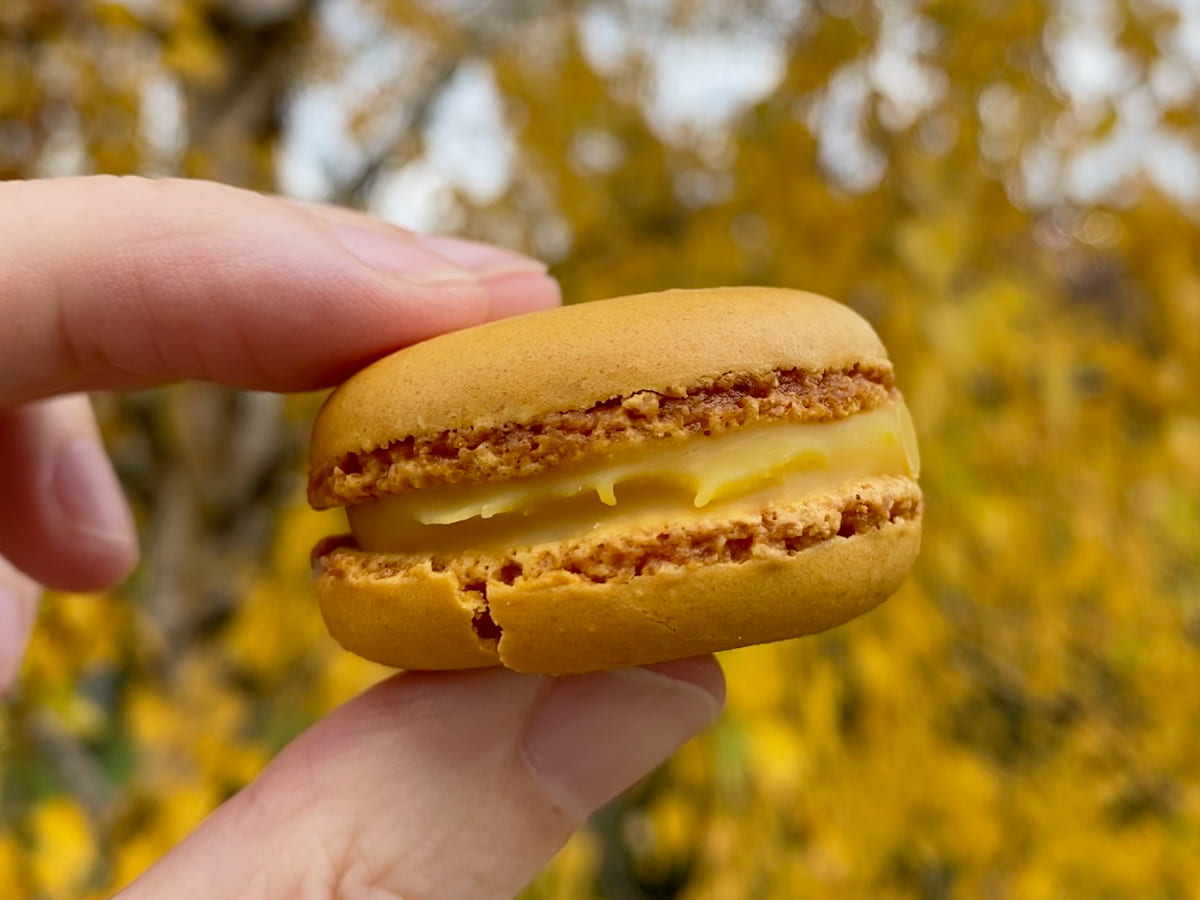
[[591, 736], [400, 254], [510, 295], [484, 260], [88, 494]]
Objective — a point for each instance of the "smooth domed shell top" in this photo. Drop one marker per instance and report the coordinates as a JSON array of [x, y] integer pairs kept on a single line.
[[527, 367]]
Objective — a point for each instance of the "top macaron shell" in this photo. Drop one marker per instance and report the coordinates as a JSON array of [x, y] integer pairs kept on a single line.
[[531, 366]]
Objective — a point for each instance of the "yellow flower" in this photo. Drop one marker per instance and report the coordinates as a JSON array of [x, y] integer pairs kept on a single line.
[[64, 848]]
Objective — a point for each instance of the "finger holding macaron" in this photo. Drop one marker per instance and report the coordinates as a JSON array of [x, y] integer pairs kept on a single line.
[[114, 283]]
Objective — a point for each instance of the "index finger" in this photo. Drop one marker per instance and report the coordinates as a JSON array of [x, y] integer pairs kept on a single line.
[[125, 282]]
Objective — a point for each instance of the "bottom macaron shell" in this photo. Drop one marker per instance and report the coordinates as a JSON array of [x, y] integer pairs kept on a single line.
[[562, 624], [578, 627], [404, 621]]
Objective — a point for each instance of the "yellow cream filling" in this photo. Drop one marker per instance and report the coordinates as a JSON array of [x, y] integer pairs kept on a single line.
[[667, 481]]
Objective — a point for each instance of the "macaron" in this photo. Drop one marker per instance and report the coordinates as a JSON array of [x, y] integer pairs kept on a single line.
[[616, 483]]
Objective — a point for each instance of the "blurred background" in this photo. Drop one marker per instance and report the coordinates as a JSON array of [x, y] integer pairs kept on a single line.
[[1008, 190]]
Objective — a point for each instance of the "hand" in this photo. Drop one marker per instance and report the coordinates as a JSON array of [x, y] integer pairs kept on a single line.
[[456, 785]]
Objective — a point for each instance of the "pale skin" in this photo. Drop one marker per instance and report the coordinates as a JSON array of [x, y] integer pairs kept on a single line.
[[458, 785]]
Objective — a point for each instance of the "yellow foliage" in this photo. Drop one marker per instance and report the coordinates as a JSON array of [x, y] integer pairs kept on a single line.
[[96, 625], [573, 869], [136, 853], [153, 720], [274, 629], [63, 848], [195, 56], [13, 863]]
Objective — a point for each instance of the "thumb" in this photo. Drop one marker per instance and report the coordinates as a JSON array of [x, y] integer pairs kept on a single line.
[[430, 786]]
